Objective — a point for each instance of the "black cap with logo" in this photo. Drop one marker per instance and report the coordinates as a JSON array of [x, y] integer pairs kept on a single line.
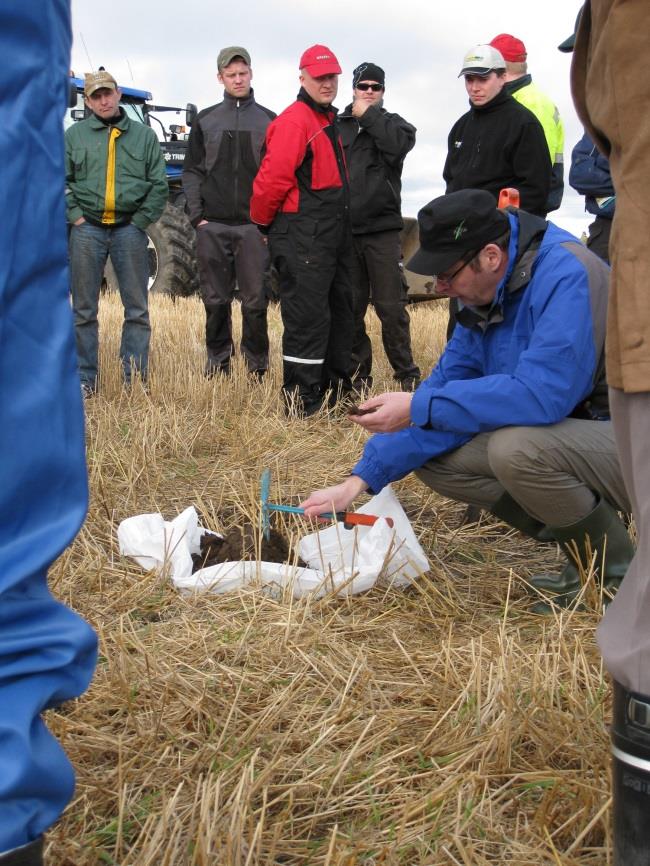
[[453, 226]]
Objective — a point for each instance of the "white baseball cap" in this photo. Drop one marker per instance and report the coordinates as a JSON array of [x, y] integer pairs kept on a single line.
[[481, 60]]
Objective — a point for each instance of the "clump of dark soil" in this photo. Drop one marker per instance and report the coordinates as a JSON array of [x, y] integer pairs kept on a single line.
[[240, 544]]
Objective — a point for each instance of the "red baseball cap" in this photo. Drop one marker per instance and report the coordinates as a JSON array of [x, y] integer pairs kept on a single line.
[[319, 60], [513, 49]]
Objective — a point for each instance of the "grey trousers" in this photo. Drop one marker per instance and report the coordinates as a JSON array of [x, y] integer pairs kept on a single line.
[[624, 634], [556, 473], [230, 256]]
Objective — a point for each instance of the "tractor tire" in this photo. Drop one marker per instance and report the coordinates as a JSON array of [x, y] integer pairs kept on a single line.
[[172, 254]]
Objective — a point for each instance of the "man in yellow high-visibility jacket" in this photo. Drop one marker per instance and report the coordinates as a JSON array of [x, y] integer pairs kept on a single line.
[[519, 83]]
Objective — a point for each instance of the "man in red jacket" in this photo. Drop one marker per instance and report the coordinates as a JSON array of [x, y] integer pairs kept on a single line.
[[301, 200]]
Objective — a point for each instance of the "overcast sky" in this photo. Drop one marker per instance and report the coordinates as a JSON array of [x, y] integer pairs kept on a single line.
[[170, 48]]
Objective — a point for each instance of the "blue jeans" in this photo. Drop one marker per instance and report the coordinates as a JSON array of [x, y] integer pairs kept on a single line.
[[90, 246]]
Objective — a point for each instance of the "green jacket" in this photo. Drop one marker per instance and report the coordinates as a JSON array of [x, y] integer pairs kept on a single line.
[[114, 174]]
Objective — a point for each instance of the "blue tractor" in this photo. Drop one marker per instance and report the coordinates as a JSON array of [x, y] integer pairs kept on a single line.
[[172, 240]]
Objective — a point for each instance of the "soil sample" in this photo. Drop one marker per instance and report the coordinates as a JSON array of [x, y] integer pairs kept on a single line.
[[239, 544]]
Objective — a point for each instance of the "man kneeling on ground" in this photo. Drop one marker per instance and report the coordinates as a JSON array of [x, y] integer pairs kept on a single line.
[[514, 418]]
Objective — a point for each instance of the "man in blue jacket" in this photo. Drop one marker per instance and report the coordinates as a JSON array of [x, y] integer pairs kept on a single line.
[[514, 418]]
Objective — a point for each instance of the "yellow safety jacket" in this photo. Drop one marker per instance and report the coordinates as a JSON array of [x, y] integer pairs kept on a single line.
[[535, 100]]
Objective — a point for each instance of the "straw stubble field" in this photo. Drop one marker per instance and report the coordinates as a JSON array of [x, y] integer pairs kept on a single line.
[[441, 724]]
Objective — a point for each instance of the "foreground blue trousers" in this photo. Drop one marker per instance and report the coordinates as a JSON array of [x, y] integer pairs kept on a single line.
[[47, 653]]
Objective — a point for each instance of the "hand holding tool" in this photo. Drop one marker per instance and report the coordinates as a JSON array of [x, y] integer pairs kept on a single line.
[[348, 518]]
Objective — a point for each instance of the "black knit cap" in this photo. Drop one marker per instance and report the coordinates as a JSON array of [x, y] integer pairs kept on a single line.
[[368, 72], [453, 226]]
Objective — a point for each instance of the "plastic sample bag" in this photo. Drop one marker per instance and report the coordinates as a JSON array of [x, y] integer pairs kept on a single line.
[[346, 561]]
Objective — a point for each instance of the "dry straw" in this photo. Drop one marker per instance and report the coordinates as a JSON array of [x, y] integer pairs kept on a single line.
[[438, 725]]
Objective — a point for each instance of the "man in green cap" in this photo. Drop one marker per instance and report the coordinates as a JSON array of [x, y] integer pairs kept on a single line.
[[222, 159]]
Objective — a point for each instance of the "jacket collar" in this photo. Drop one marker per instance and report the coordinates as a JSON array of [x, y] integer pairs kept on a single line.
[[121, 123], [518, 83], [303, 96], [346, 114], [235, 100], [500, 99], [526, 235]]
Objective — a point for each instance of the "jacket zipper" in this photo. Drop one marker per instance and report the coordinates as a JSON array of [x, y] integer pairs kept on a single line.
[[236, 162]]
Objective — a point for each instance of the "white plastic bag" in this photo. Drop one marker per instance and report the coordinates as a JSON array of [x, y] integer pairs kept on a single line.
[[340, 560]]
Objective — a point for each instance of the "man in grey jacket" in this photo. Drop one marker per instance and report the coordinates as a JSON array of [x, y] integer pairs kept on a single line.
[[222, 160]]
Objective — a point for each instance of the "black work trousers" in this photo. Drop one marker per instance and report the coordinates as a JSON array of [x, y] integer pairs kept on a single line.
[[377, 275], [228, 257], [598, 240], [314, 259]]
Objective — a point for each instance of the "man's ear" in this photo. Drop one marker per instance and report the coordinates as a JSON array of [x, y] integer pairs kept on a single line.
[[493, 256]]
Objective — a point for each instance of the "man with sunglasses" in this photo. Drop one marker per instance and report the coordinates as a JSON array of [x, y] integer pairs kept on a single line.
[[514, 418], [376, 143]]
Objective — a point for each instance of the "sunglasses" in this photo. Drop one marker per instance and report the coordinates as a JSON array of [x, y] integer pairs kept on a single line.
[[374, 87]]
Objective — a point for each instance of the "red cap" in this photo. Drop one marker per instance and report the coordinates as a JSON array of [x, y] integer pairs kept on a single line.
[[319, 60], [513, 49]]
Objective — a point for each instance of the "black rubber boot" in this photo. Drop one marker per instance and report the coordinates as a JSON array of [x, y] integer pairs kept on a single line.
[[601, 533], [631, 777], [511, 512], [28, 855]]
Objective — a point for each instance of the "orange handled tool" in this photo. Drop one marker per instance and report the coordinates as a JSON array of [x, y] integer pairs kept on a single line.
[[348, 518]]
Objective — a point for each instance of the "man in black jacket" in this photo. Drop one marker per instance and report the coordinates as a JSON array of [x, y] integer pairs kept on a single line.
[[498, 143], [222, 159], [376, 143]]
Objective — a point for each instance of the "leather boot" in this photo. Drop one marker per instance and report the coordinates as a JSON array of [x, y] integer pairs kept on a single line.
[[631, 777], [601, 533], [28, 855], [511, 512]]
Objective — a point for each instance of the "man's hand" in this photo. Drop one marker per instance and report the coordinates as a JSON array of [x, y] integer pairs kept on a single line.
[[392, 411], [79, 221], [202, 223], [359, 107], [336, 498]]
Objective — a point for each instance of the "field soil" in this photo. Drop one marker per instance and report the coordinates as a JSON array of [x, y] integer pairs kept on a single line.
[[438, 725], [240, 543]]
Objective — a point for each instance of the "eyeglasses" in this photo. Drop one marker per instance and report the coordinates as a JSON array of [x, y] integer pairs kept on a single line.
[[447, 279], [365, 86]]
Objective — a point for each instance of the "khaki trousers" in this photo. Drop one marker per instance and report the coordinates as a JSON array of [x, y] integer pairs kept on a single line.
[[556, 473], [624, 634]]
